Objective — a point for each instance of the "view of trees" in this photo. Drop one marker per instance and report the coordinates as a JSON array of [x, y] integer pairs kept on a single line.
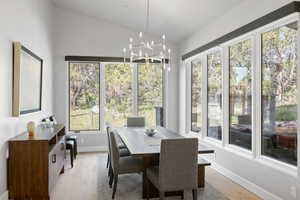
[[214, 91], [196, 71], [84, 96], [240, 100], [150, 87], [279, 93], [118, 94]]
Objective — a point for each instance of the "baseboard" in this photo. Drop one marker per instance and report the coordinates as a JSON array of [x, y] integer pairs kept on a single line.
[[82, 149], [262, 193], [4, 196]]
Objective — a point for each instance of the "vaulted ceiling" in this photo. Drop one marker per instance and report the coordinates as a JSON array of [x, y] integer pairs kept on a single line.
[[178, 19]]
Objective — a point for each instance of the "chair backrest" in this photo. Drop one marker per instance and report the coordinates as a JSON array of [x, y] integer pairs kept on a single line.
[[135, 121], [178, 168], [115, 154]]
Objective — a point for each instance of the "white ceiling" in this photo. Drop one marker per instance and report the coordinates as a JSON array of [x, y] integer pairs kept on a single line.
[[176, 18]]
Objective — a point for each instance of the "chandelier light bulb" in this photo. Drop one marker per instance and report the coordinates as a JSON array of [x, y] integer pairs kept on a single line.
[[164, 37], [152, 42], [124, 50], [169, 69], [140, 53], [130, 40], [169, 50], [130, 46], [164, 47], [141, 34]]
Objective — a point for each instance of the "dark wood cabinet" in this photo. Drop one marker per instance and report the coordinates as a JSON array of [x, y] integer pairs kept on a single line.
[[35, 164]]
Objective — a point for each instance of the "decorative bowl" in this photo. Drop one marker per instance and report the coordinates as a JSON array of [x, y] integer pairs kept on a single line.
[[150, 131]]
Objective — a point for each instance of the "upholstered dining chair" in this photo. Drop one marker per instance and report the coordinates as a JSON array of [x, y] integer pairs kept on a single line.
[[122, 148], [135, 121], [178, 169], [121, 165]]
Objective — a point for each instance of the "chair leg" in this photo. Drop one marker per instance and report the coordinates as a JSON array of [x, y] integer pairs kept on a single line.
[[182, 196], [75, 149], [107, 164], [147, 188], [109, 170], [161, 195], [72, 156], [195, 194], [111, 179], [115, 186]]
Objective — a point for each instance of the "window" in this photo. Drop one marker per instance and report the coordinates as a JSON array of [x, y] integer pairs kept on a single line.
[[118, 94], [150, 91], [240, 95], [84, 96], [196, 74], [214, 95], [126, 90], [279, 93]]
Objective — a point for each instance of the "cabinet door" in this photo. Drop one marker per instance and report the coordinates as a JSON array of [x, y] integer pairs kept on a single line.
[[60, 155], [52, 161]]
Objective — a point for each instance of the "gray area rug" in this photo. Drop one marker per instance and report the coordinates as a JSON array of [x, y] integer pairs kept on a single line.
[[130, 187]]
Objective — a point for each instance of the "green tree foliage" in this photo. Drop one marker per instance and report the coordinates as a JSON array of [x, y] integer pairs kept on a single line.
[[150, 79], [118, 93]]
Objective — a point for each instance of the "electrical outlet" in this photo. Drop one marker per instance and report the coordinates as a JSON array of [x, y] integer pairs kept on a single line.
[[293, 191]]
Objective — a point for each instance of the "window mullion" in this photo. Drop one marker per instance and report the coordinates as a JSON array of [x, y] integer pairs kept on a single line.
[[204, 97], [258, 107], [225, 99], [135, 88], [102, 97]]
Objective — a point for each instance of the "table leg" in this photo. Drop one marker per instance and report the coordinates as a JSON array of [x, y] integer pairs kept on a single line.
[[148, 162]]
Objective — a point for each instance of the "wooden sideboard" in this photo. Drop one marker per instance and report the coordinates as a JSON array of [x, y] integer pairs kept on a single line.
[[34, 164]]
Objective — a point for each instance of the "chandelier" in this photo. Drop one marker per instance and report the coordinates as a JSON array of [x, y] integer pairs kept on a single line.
[[140, 49]]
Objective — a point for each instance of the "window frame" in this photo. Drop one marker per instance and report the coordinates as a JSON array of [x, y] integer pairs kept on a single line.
[[196, 59], [255, 154], [163, 89], [100, 99], [208, 52], [102, 94]]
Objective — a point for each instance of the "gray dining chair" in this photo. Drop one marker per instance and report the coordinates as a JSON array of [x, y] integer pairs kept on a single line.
[[177, 170], [122, 148], [121, 165], [135, 121]]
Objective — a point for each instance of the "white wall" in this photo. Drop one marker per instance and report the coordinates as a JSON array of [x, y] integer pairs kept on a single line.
[[30, 23], [80, 35], [259, 177]]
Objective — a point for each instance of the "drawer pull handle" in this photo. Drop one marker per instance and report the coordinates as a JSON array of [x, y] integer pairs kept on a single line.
[[54, 158]]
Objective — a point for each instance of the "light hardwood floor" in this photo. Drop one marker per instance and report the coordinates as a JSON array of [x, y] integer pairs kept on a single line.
[[82, 183]]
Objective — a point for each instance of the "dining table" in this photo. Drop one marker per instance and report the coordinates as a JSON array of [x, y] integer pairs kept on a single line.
[[147, 148]]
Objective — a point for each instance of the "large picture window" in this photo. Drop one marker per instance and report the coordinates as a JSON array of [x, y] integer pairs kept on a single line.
[[118, 94], [240, 94], [84, 96], [196, 74], [279, 93], [150, 91], [126, 90], [214, 95]]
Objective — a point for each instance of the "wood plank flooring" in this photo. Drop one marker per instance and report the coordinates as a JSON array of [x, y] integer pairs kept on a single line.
[[88, 181]]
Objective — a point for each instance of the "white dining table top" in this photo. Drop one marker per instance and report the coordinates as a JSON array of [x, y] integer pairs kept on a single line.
[[139, 144]]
